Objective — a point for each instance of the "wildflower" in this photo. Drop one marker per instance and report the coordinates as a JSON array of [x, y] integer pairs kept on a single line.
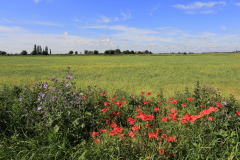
[[123, 102], [238, 112], [119, 113], [145, 102], [119, 104], [101, 94], [218, 105], [174, 101], [224, 103], [150, 125], [113, 125], [156, 108], [39, 108], [171, 154], [201, 105], [184, 105], [205, 123], [149, 93], [151, 134], [143, 92], [135, 128], [161, 151], [44, 85], [210, 118], [122, 99], [105, 103], [131, 120], [119, 129], [97, 140], [68, 77], [111, 99], [190, 99], [113, 132], [94, 134], [52, 77], [113, 114], [19, 99], [131, 134], [122, 136], [104, 110], [164, 118], [115, 95]]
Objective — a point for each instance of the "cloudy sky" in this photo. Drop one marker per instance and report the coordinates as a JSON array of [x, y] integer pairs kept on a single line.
[[157, 25]]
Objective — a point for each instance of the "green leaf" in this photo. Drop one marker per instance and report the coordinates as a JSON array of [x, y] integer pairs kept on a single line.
[[56, 129], [76, 122], [83, 125]]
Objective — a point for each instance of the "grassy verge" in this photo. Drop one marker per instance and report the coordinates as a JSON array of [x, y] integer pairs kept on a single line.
[[56, 120]]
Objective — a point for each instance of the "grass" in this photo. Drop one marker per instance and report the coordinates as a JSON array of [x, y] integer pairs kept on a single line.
[[132, 74], [57, 119]]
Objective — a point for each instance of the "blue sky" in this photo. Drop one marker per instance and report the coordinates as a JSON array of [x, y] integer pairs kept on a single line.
[[157, 25]]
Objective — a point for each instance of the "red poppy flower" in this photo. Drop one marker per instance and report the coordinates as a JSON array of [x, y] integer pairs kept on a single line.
[[94, 134], [119, 113], [218, 105], [97, 140], [201, 105], [145, 102], [131, 120], [170, 99], [151, 134], [171, 154], [161, 151], [122, 136], [135, 128], [92, 92], [105, 103], [238, 112], [119, 129], [111, 99], [101, 94], [143, 92], [113, 125], [190, 99], [139, 115], [150, 125], [149, 93], [164, 118], [210, 118], [103, 130], [104, 110], [164, 135], [117, 102], [115, 95], [151, 117], [113, 132], [184, 105], [174, 101], [144, 117], [131, 134], [156, 108], [113, 114], [123, 102], [122, 99]]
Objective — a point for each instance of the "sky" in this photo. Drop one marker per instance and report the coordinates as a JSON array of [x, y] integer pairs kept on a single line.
[[160, 26]]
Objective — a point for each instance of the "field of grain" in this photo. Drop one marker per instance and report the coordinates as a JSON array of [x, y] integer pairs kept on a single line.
[[131, 73]]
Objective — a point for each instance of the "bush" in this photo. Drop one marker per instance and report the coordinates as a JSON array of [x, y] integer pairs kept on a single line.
[[24, 52]]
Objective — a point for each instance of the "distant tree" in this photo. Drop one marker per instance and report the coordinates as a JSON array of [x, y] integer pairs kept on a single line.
[[50, 52], [118, 51], [111, 52], [40, 51], [132, 52], [45, 53], [95, 52], [85, 51], [106, 52], [146, 52], [46, 50], [3, 53], [70, 52], [34, 52], [127, 52], [150, 52], [76, 52], [24, 52]]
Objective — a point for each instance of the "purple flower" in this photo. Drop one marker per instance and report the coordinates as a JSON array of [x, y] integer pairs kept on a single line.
[[45, 86], [19, 99], [224, 103], [68, 77], [71, 74], [80, 98], [38, 99], [205, 123], [52, 77], [55, 89], [39, 108]]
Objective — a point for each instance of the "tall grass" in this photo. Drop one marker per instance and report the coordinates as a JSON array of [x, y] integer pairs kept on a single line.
[[57, 120]]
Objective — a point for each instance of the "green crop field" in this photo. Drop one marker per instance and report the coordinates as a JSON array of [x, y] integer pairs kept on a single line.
[[131, 73]]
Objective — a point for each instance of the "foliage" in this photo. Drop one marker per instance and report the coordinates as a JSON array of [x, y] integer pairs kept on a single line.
[[24, 52], [3, 53]]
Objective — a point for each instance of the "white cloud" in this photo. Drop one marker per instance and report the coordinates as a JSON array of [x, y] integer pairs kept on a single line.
[[104, 20], [163, 28], [116, 19], [10, 29], [201, 38], [36, 1], [238, 4], [206, 12], [224, 28], [46, 23], [125, 16], [65, 33], [156, 7], [7, 20], [198, 5]]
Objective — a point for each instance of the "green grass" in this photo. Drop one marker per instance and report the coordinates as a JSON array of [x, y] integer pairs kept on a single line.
[[131, 73]]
